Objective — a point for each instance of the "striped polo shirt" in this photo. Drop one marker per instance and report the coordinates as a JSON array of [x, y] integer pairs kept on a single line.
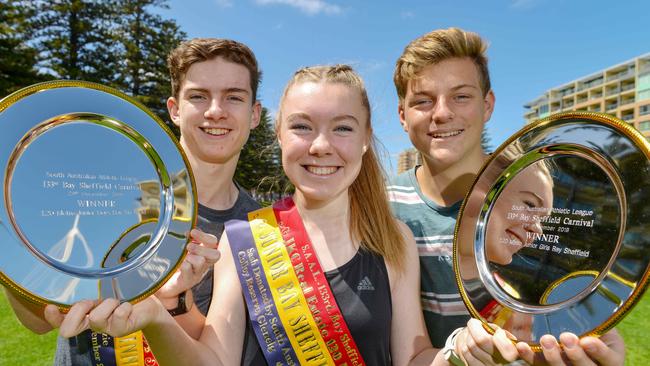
[[433, 228]]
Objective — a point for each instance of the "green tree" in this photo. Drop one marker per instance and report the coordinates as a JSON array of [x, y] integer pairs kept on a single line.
[[144, 40], [260, 167], [73, 38], [17, 58], [485, 141]]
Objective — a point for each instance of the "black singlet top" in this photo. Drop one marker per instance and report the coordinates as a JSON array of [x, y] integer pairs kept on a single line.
[[362, 292]]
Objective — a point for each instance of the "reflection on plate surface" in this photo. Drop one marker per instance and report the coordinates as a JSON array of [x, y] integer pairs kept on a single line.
[[552, 237], [85, 168]]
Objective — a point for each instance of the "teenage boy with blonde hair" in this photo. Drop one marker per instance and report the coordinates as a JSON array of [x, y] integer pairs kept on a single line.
[[214, 103], [445, 99]]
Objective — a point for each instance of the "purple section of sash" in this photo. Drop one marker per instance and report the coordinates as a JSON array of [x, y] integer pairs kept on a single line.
[[262, 311], [102, 349]]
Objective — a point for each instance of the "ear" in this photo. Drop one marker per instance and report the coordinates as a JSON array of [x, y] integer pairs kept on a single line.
[[488, 101], [257, 114], [172, 108], [402, 118]]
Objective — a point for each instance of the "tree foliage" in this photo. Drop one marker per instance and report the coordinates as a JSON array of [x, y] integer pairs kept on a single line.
[[260, 168], [144, 41], [485, 141], [17, 58], [119, 43], [73, 38]]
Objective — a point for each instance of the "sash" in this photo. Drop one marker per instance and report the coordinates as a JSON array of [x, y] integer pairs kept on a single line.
[[290, 303], [130, 350]]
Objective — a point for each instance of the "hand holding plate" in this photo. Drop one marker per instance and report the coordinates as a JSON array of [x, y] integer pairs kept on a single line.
[[202, 254]]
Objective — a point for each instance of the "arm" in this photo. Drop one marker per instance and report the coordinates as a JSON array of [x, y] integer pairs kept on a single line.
[[222, 334], [410, 344], [29, 314], [202, 254]]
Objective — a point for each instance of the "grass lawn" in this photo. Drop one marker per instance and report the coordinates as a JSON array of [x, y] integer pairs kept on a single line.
[[19, 346]]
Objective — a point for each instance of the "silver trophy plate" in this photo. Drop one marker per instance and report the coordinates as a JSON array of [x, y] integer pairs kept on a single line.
[[98, 198], [553, 236]]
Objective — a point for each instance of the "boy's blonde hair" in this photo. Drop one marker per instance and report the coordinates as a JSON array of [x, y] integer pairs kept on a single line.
[[371, 219], [438, 46]]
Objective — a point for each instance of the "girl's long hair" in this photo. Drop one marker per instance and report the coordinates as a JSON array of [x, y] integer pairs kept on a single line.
[[371, 219]]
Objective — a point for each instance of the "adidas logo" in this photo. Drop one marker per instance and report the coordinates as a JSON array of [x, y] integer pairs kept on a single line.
[[365, 284]]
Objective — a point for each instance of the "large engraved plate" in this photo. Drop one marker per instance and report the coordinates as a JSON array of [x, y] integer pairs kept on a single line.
[[98, 199], [553, 236]]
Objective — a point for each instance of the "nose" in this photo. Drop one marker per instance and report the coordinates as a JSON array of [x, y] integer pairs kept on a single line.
[[534, 226], [442, 112], [320, 145], [215, 110]]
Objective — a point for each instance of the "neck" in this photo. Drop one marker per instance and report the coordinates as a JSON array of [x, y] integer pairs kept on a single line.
[[328, 226], [214, 182], [324, 213], [448, 185]]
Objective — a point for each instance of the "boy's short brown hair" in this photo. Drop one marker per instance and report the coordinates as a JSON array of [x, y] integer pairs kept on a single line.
[[204, 49], [435, 47]]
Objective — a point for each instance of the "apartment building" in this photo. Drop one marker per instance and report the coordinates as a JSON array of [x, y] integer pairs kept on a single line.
[[408, 159], [621, 90]]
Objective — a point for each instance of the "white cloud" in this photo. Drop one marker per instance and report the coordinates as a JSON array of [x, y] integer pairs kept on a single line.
[[311, 7], [407, 14], [224, 3]]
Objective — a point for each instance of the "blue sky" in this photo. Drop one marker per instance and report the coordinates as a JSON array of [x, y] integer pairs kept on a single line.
[[534, 44]]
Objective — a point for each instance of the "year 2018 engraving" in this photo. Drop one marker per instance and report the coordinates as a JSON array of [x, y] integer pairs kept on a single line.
[[553, 222]]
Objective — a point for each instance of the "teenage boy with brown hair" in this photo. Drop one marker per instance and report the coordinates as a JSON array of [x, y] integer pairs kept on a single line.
[[445, 99], [214, 103]]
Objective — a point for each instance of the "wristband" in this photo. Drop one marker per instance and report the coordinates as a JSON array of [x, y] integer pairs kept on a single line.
[[181, 308], [449, 351]]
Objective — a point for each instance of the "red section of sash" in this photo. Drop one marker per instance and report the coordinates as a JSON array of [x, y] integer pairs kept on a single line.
[[149, 359], [490, 310], [314, 285]]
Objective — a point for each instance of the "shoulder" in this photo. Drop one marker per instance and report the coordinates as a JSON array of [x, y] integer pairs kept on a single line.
[[245, 201], [402, 180], [403, 190]]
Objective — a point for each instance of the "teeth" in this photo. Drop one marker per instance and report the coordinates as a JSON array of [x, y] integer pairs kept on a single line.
[[321, 170], [446, 134], [215, 131]]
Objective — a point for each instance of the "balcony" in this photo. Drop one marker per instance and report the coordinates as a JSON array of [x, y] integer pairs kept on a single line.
[[644, 68], [622, 75], [612, 91], [627, 117], [609, 107], [627, 101], [593, 83], [627, 87], [566, 92]]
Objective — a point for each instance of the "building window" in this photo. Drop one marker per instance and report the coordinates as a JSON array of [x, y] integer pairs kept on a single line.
[[644, 126], [543, 111], [644, 109]]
